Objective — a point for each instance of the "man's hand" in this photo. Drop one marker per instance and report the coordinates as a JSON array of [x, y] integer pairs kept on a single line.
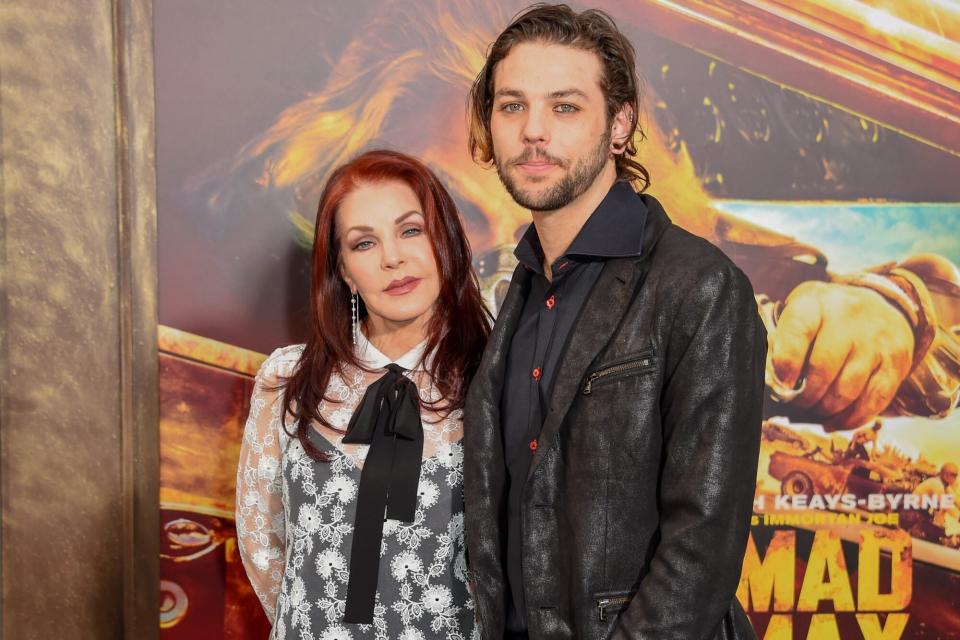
[[851, 346]]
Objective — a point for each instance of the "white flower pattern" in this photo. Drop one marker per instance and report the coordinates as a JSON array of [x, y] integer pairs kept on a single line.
[[309, 519], [295, 521], [437, 599], [427, 493], [342, 486], [332, 564], [404, 564], [336, 632]]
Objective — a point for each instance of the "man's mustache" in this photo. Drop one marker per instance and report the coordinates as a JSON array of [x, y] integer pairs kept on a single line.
[[532, 154]]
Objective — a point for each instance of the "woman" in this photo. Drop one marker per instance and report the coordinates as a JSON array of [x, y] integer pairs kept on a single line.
[[365, 420]]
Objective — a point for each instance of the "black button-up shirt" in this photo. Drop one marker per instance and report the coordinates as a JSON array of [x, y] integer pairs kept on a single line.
[[614, 230]]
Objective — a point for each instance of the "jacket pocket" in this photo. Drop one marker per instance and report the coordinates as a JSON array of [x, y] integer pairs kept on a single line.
[[610, 603], [643, 361]]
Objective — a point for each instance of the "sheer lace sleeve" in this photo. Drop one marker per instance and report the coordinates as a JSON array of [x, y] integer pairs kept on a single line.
[[260, 518]]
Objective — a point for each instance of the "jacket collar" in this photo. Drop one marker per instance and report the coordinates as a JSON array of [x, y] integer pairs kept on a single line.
[[656, 223], [614, 230]]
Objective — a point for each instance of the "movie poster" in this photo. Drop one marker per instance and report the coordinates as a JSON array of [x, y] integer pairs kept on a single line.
[[817, 143]]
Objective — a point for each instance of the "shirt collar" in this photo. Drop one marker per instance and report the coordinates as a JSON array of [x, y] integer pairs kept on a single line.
[[372, 358], [613, 230]]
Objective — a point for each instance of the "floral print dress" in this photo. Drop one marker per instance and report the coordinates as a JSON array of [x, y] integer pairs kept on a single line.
[[295, 516]]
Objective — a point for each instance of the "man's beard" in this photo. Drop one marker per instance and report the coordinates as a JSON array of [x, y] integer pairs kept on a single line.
[[570, 187]]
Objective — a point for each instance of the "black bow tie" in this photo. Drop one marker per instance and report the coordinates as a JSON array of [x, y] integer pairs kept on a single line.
[[390, 402], [388, 419]]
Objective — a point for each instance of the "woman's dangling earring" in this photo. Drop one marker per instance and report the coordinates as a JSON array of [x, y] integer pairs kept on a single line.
[[353, 317]]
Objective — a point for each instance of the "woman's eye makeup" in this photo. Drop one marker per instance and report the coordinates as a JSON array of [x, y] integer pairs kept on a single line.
[[409, 230]]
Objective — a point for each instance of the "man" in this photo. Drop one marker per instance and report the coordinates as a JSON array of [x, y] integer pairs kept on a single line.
[[613, 427], [857, 449], [941, 485]]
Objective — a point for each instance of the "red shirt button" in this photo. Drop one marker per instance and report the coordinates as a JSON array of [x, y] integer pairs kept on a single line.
[[533, 445], [536, 373], [551, 302]]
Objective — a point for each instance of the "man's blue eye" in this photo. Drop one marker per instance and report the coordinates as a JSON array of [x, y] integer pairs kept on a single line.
[[565, 108]]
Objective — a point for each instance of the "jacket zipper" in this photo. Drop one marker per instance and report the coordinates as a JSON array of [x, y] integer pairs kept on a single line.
[[605, 603], [620, 368]]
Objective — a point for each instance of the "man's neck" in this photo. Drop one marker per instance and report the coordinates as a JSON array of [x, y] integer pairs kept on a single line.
[[557, 229]]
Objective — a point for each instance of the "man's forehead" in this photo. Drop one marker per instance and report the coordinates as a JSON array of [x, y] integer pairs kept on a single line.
[[547, 69]]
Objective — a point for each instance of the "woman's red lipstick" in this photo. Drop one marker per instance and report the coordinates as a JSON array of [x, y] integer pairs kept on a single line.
[[402, 286]]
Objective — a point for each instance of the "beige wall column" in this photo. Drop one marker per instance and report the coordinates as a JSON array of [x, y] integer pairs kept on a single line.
[[78, 359]]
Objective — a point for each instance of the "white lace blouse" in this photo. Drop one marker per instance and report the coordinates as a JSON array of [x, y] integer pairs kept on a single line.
[[295, 516]]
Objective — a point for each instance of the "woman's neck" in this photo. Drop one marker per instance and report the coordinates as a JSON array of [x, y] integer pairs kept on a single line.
[[394, 339]]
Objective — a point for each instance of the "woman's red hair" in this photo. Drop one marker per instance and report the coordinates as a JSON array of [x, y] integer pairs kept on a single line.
[[459, 326]]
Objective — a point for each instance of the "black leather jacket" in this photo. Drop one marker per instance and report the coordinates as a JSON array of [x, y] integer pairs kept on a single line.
[[638, 501]]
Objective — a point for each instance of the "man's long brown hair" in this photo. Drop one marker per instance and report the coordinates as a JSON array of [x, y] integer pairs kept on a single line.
[[590, 30], [459, 325]]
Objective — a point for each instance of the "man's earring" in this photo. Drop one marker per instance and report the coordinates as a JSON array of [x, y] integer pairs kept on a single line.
[[353, 317]]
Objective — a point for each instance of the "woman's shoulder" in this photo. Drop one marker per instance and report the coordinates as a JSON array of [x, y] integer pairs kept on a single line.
[[280, 365]]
